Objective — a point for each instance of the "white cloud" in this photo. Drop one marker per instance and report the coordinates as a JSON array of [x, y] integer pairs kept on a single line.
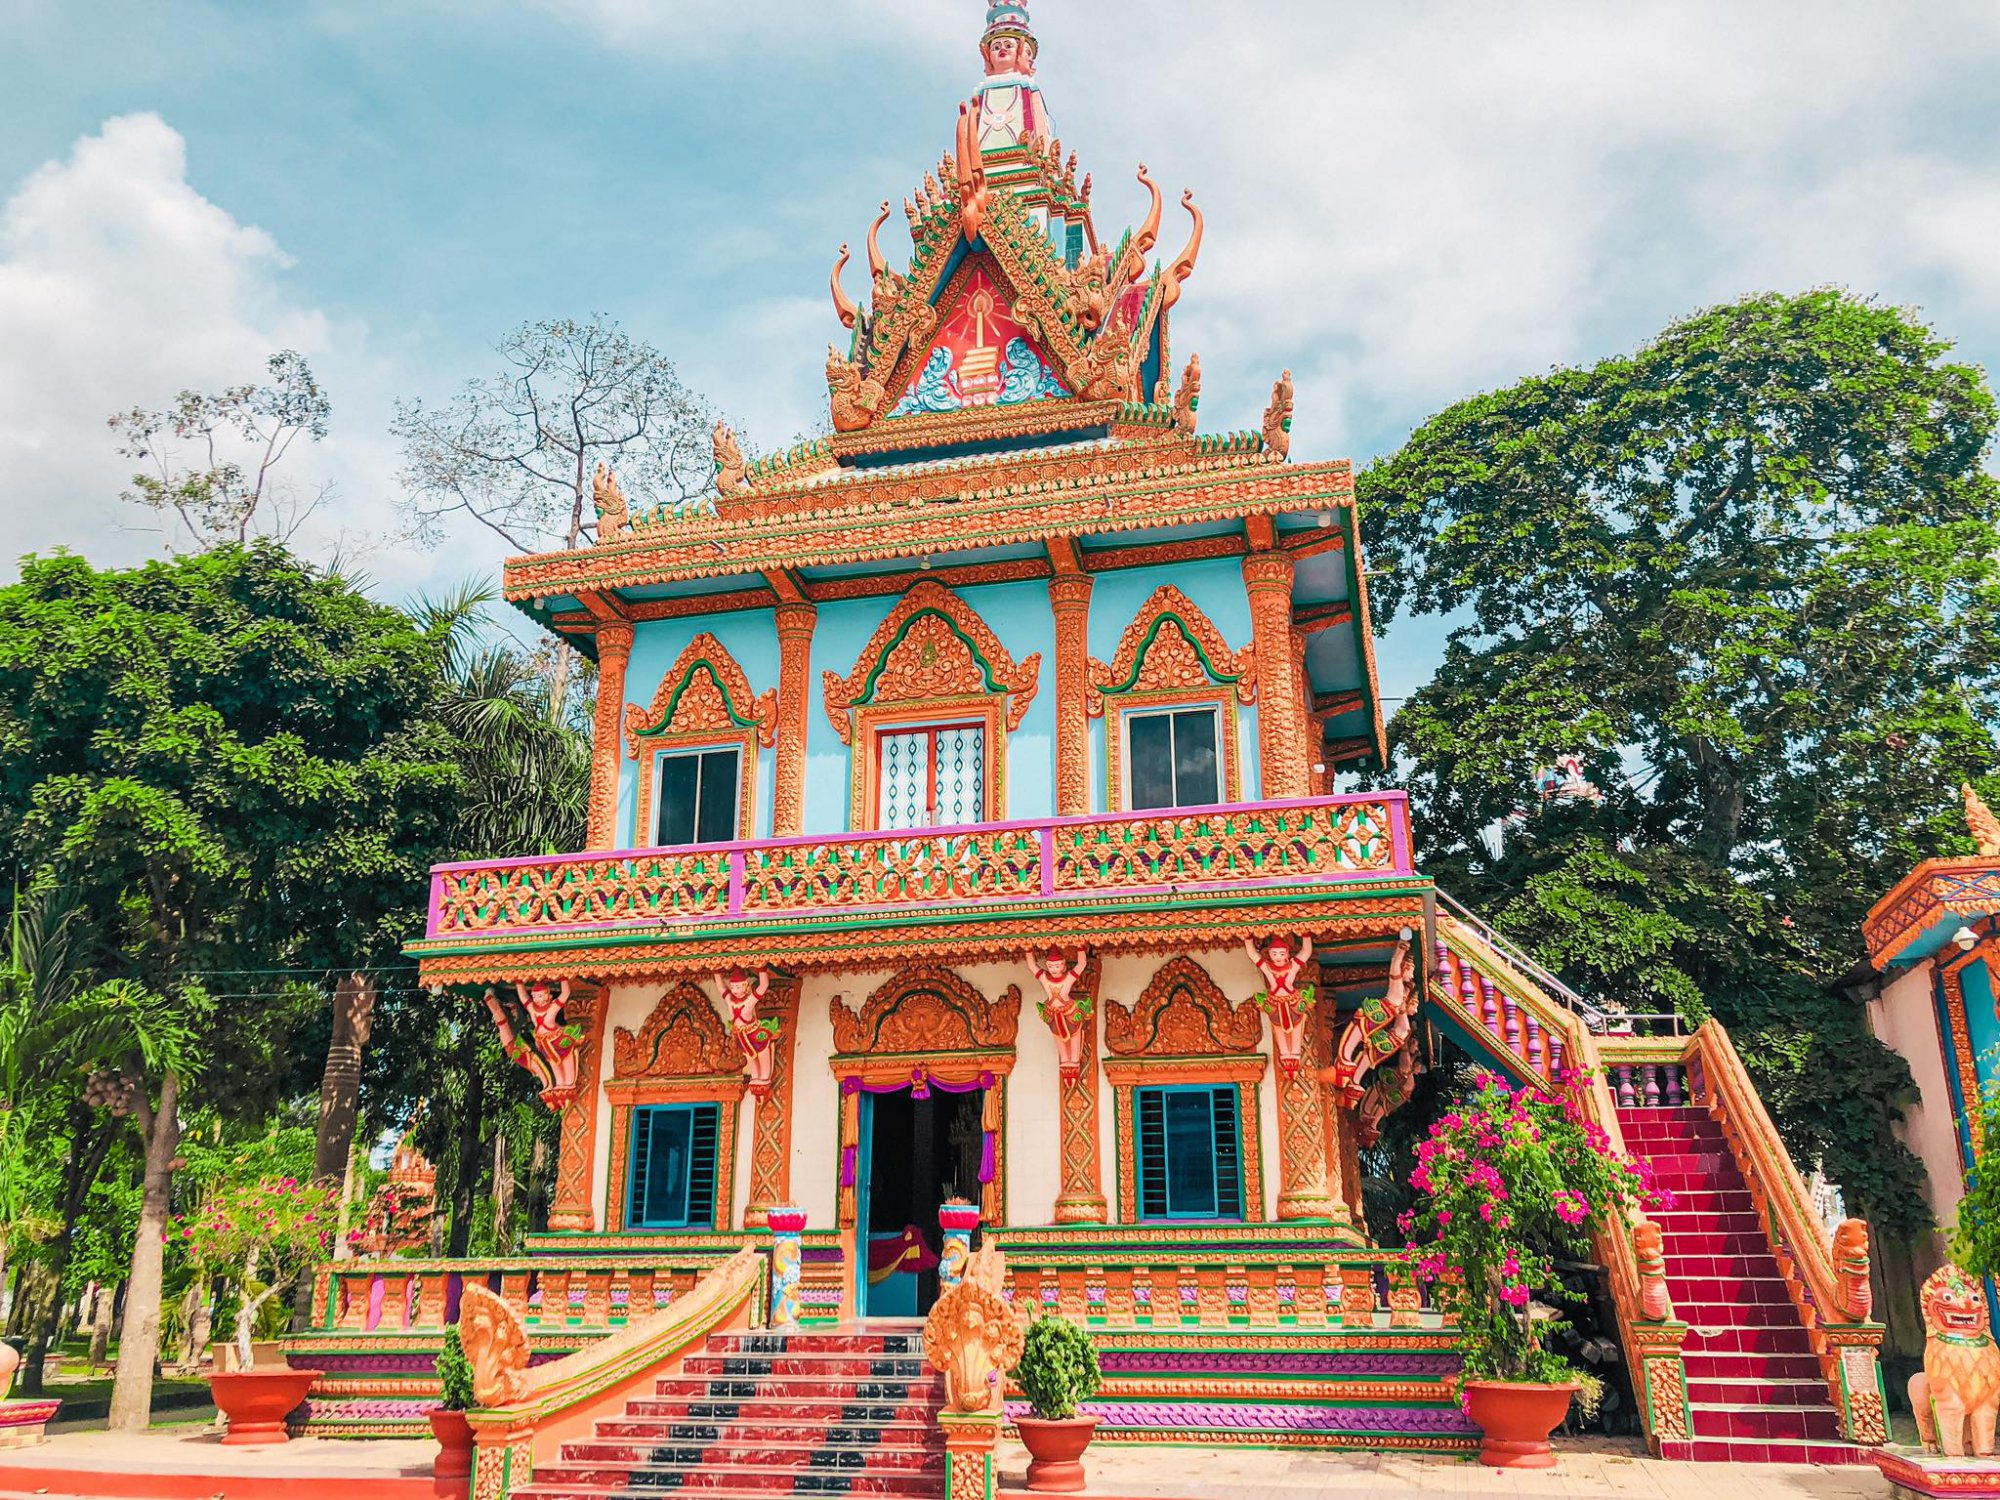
[[121, 285]]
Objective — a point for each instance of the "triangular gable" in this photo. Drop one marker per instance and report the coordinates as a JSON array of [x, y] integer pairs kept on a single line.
[[981, 355]]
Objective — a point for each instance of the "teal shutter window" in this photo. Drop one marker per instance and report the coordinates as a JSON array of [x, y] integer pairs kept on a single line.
[[1190, 1154], [672, 1178]]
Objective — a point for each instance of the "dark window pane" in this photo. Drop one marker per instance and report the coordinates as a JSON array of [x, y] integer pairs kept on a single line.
[[673, 1166], [1190, 1127], [1228, 1164], [1149, 745], [680, 778], [1197, 779], [720, 782], [1152, 1154]]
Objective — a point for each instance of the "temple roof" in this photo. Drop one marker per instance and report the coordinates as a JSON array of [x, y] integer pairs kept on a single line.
[[1002, 409]]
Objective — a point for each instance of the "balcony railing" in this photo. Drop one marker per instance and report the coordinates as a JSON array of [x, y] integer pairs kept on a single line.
[[1178, 851]]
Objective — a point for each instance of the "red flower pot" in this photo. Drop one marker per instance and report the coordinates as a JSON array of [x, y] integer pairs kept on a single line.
[[454, 1460], [1055, 1452], [256, 1402], [1516, 1419]]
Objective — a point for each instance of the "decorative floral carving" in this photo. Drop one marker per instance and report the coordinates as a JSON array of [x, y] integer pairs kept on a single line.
[[1668, 1393], [927, 1008], [1182, 1013], [705, 691], [684, 1037], [932, 646], [1171, 646]]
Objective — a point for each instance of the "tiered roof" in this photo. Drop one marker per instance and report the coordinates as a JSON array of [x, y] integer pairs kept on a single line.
[[1002, 410]]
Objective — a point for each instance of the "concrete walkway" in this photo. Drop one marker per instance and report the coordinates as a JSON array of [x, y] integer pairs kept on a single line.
[[1169, 1472]]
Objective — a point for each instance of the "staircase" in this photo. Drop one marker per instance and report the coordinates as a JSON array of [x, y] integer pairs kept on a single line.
[[757, 1414], [1755, 1391]]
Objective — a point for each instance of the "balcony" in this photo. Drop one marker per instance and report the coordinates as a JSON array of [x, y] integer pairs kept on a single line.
[[1256, 855]]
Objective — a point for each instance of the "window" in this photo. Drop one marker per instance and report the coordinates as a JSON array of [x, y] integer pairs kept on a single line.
[[931, 777], [1172, 760], [1190, 1163], [697, 796], [673, 1166]]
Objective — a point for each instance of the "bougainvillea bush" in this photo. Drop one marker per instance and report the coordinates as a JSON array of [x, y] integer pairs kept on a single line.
[[1507, 1183], [263, 1232]]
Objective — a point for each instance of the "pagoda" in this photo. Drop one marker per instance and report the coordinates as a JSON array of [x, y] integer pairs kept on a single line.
[[966, 858]]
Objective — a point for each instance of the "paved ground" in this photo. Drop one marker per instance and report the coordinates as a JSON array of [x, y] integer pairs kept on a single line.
[[1164, 1472]]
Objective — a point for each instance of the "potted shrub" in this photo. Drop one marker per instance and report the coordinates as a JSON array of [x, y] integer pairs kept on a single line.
[[263, 1233], [448, 1424], [1507, 1182], [1057, 1373]]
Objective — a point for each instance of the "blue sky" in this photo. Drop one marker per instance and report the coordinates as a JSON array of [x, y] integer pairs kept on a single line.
[[1407, 202]]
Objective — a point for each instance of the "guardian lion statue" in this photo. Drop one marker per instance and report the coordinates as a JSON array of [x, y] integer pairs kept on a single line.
[[1957, 1393]]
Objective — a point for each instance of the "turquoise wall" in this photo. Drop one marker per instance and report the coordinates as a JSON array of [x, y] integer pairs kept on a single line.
[[1018, 613], [752, 638]]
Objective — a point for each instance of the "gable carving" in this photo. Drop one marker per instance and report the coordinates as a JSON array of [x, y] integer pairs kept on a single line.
[[927, 1008], [1182, 1013], [684, 1037], [932, 646], [705, 691], [1171, 646]]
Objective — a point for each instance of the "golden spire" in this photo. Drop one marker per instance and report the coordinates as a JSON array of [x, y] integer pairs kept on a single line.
[[1979, 818]]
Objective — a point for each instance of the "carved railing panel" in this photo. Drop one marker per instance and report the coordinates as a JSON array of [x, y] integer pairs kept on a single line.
[[1236, 846]]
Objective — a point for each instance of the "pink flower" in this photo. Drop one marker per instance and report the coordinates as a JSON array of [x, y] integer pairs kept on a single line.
[[1444, 1216], [1515, 1295]]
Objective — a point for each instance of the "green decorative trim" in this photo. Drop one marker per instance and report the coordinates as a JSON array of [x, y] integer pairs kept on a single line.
[[867, 693], [700, 664], [1187, 633]]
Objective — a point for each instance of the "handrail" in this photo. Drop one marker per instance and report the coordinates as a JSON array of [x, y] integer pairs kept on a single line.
[[1843, 1337], [1149, 852], [1519, 957], [524, 1412]]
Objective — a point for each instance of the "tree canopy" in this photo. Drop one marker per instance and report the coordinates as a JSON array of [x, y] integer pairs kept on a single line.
[[1746, 575]]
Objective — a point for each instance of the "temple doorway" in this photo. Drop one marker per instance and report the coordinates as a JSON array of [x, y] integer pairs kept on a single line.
[[916, 1153]]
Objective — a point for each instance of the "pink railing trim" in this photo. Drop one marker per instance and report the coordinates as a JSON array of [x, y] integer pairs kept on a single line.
[[734, 856]]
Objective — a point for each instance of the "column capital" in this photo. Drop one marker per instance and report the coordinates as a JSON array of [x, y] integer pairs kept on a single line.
[[1071, 591], [1264, 570], [795, 617]]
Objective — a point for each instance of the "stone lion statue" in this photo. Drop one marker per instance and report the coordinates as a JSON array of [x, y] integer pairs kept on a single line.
[[1850, 1269], [496, 1346], [1957, 1393], [973, 1338]]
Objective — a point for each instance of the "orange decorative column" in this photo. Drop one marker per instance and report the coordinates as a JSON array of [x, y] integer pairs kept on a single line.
[[788, 795], [1082, 1198], [576, 1147], [771, 1143], [1302, 1168], [614, 651], [1069, 597], [1284, 753]]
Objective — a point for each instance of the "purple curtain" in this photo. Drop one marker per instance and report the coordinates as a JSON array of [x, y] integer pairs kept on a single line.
[[920, 1083]]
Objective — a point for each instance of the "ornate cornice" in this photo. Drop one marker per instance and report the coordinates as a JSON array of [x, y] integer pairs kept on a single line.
[[1171, 645], [705, 691], [924, 1009], [933, 645], [683, 1037]]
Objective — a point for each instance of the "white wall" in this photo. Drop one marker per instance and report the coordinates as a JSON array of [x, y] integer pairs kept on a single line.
[[1905, 1018]]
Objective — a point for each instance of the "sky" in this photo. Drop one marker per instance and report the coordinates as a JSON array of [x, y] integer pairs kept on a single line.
[[1407, 202]]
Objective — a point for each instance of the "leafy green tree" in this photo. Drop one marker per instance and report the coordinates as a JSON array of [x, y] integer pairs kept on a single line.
[[1746, 575], [231, 757]]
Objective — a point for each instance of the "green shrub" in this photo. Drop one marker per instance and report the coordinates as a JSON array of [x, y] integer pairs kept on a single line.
[[455, 1373], [1058, 1368]]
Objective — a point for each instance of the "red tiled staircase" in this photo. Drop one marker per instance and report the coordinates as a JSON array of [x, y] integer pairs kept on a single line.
[[1754, 1386], [760, 1414]]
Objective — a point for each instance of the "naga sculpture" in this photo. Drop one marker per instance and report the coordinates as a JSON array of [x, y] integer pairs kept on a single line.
[[856, 400], [1979, 818], [844, 306], [1850, 1269], [1388, 1091], [731, 473], [972, 1337], [1182, 265], [1187, 405], [614, 518], [1278, 417], [1654, 1302], [496, 1345], [1956, 1396]]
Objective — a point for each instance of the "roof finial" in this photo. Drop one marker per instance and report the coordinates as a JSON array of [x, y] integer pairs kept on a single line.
[[1011, 111]]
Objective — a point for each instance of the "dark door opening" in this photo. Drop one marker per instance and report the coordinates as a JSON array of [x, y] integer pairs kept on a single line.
[[919, 1152]]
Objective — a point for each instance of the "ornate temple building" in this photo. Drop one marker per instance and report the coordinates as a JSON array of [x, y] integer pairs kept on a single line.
[[964, 848]]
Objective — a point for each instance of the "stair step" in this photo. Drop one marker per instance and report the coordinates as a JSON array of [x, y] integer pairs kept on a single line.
[[1764, 1424], [1705, 1365], [1723, 1392], [715, 1437], [1771, 1451], [860, 1413], [858, 1366], [791, 1387], [704, 1478]]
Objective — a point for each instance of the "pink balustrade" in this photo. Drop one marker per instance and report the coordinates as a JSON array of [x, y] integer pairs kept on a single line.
[[1173, 850]]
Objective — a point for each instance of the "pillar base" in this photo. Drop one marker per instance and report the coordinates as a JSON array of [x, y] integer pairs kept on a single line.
[[1083, 1210], [1322, 1206], [969, 1440]]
